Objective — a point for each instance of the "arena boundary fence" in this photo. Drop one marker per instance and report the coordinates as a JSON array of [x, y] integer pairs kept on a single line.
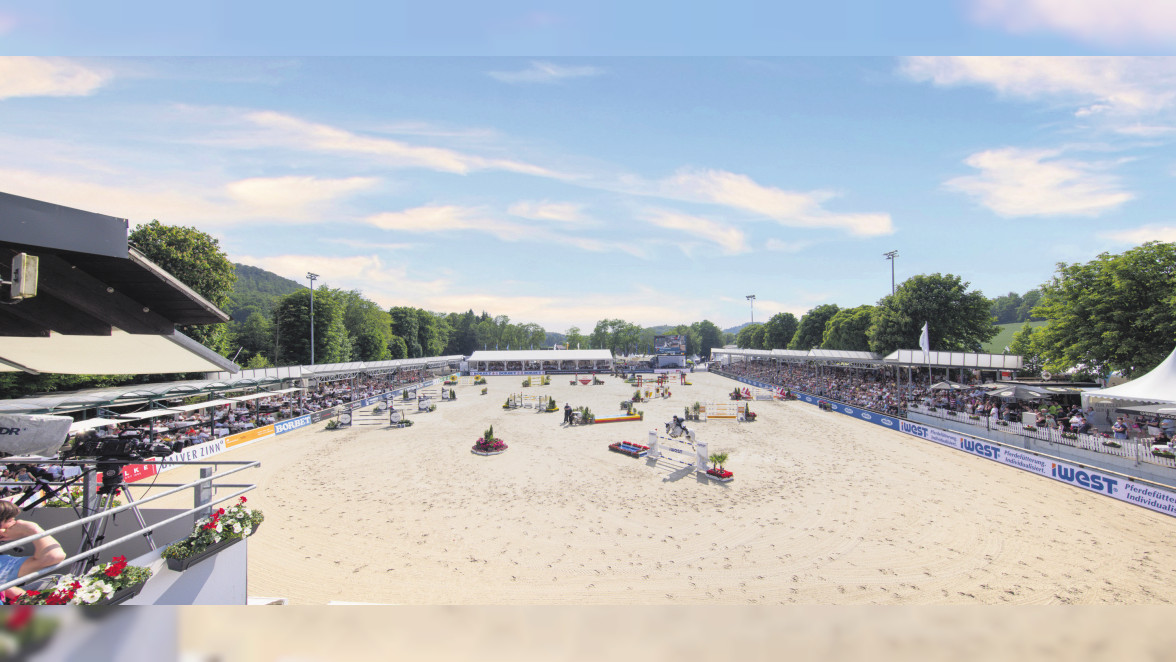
[[1122, 487]]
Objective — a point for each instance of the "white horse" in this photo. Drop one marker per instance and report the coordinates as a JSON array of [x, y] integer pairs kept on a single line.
[[675, 429]]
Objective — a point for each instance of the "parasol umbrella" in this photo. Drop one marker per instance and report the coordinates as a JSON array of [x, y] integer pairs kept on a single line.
[[1020, 392], [948, 386]]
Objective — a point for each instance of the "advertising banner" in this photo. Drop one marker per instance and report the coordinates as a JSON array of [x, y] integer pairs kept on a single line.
[[322, 415], [1092, 480], [501, 373], [248, 436], [291, 425], [193, 453]]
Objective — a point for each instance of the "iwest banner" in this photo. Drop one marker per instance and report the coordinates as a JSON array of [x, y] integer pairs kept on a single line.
[[1153, 498]]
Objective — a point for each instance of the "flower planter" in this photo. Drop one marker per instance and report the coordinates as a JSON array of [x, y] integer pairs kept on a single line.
[[486, 453], [721, 476], [632, 450], [180, 565], [122, 595]]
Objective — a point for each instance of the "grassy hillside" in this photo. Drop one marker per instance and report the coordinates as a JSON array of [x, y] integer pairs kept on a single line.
[[1005, 337], [257, 290]]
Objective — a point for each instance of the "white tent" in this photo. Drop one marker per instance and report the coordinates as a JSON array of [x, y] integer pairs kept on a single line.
[[1159, 385]]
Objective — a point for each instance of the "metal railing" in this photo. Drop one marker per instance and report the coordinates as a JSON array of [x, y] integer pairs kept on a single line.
[[202, 488], [1132, 449]]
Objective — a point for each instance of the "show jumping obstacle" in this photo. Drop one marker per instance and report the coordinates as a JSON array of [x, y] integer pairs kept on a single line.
[[684, 448]]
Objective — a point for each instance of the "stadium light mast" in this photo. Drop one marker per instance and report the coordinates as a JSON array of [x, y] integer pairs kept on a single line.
[[890, 255], [751, 303], [312, 278]]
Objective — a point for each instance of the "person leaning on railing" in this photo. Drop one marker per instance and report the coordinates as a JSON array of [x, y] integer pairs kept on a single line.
[[47, 552]]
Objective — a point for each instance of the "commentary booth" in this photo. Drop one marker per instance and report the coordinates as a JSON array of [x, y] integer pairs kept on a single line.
[[80, 300]]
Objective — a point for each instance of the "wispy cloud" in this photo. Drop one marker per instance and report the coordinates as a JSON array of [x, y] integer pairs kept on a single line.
[[1166, 233], [788, 208], [281, 130], [293, 197], [1101, 22], [547, 211], [545, 72], [288, 200], [447, 218], [47, 77], [1026, 182], [731, 240], [1092, 85]]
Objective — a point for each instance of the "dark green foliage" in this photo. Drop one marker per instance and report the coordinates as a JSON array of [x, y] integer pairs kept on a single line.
[[811, 330], [846, 330], [1116, 312], [779, 330], [958, 320]]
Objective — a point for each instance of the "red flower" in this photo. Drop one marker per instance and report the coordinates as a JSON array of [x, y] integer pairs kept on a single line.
[[243, 499], [20, 616]]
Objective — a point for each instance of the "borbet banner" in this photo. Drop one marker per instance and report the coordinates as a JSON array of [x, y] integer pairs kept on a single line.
[[1156, 499]]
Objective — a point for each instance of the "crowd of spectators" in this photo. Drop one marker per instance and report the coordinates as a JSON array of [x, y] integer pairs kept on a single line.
[[878, 390], [199, 426]]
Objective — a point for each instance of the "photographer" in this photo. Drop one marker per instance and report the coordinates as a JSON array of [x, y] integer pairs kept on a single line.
[[47, 552]]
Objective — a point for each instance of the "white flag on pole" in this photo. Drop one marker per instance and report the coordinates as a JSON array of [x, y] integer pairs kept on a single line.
[[924, 340]]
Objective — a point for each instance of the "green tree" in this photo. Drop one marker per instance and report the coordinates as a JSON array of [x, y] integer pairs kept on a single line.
[[750, 337], [255, 337], [1026, 343], [779, 330], [846, 330], [574, 339], [292, 317], [195, 258], [1116, 312], [709, 336], [958, 320], [397, 348], [405, 324], [811, 329]]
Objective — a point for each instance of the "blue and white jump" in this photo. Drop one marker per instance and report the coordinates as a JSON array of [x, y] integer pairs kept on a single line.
[[684, 448]]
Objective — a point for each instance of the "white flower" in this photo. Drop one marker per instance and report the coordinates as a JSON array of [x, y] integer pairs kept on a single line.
[[236, 528], [219, 527]]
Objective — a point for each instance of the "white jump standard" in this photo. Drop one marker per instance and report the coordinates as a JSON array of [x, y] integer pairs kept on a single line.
[[686, 450]]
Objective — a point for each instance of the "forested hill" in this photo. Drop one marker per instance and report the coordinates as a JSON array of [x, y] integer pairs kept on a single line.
[[257, 290]]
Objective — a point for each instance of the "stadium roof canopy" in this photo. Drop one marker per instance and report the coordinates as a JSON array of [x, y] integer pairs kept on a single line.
[[157, 394], [543, 355], [902, 357], [101, 307]]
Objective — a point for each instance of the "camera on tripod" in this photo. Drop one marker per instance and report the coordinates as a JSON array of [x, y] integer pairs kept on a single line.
[[123, 448]]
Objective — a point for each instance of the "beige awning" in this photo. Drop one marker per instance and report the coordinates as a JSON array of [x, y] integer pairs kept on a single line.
[[203, 405], [119, 353]]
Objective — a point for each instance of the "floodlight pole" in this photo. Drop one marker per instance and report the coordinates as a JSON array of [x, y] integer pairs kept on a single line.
[[890, 255], [751, 302], [312, 278]]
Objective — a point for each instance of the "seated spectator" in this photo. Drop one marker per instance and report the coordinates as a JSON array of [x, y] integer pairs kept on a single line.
[[47, 552]]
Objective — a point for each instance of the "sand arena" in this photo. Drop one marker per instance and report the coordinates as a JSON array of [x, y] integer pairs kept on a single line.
[[823, 510]]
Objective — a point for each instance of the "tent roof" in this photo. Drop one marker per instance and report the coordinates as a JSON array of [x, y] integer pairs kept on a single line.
[[1159, 385], [543, 355], [116, 354]]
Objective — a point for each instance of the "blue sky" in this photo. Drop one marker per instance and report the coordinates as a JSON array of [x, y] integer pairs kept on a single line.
[[567, 190], [516, 170], [536, 27]]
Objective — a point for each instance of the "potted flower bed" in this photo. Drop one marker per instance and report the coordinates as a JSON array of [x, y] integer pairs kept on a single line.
[[485, 390], [1163, 453], [1112, 444], [629, 448], [717, 472], [1030, 428], [223, 528], [105, 584], [479, 380], [1069, 435], [488, 445]]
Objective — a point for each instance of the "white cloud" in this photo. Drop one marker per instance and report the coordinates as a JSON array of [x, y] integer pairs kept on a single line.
[[545, 72], [1166, 233], [47, 77], [785, 207], [447, 218], [293, 197], [243, 201], [547, 211], [1024, 182], [780, 246], [730, 239], [293, 133], [1102, 22], [1095, 85]]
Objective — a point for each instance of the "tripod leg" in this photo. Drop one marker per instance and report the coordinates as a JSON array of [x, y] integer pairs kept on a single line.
[[138, 515]]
